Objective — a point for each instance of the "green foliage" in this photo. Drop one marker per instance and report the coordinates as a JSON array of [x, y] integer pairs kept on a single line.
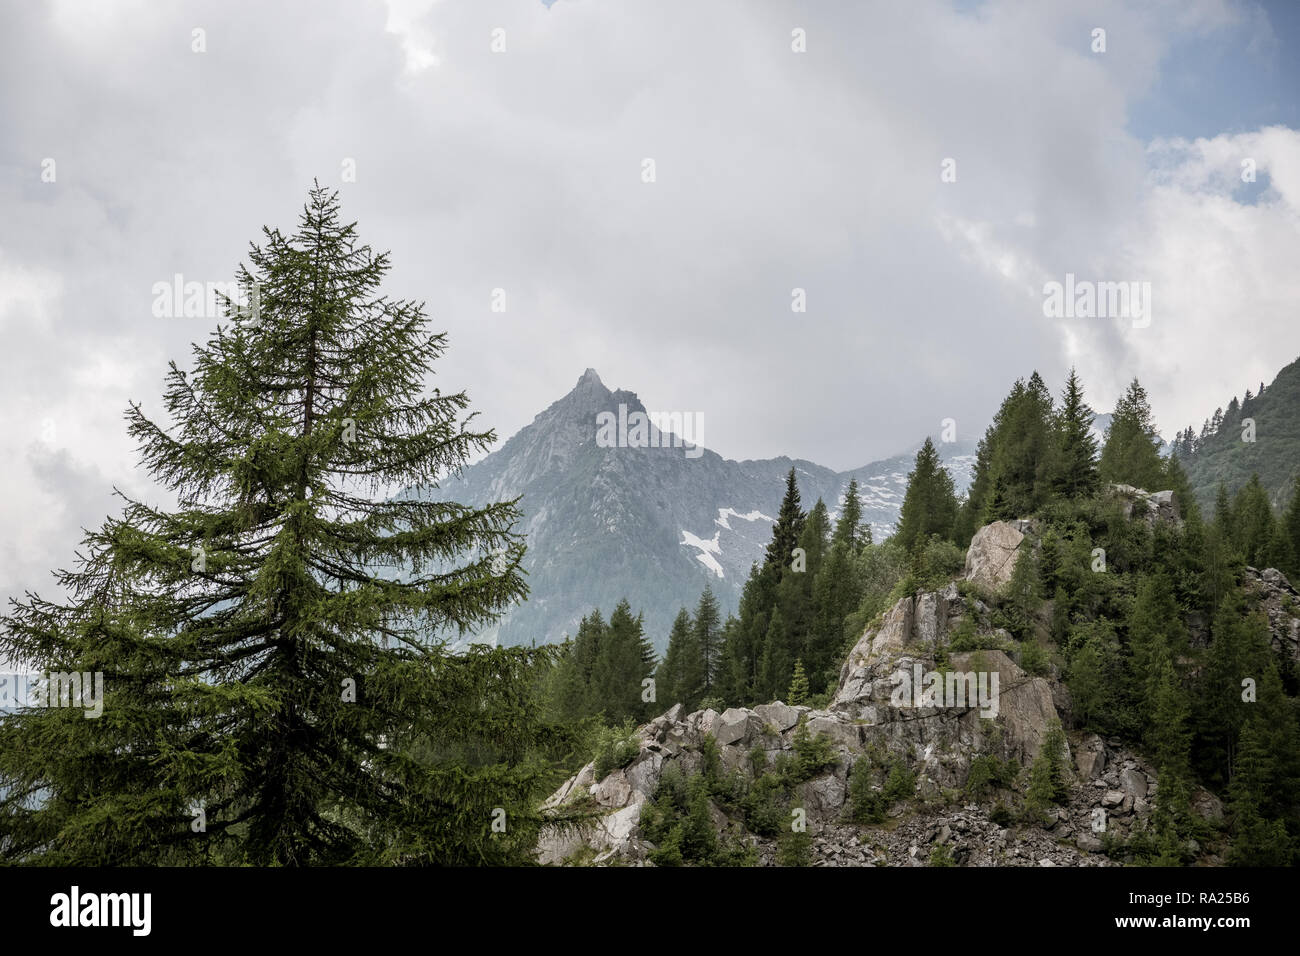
[[1014, 461], [1074, 474], [794, 847], [989, 773], [272, 644], [876, 783], [929, 505], [616, 747], [1048, 780], [814, 753], [678, 819], [1131, 455], [1219, 456], [941, 855], [798, 693]]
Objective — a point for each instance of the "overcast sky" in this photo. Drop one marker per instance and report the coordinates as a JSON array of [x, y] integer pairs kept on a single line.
[[774, 169]]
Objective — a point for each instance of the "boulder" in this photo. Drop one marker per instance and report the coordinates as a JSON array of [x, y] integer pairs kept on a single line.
[[736, 725], [1133, 783], [778, 715], [991, 557], [1090, 758]]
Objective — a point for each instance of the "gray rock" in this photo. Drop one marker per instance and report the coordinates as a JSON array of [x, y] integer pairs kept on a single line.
[[1133, 783], [991, 557], [779, 715]]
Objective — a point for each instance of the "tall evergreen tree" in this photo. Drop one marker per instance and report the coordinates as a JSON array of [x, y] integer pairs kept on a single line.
[[1013, 463], [707, 628], [1253, 524], [621, 667], [1291, 528], [1076, 460], [786, 531], [242, 634], [1131, 455], [676, 671], [848, 526], [929, 505]]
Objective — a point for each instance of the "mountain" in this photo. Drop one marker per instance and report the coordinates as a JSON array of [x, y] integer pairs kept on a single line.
[[1226, 455], [652, 524]]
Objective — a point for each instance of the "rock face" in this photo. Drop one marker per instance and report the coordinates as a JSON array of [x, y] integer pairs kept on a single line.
[[1280, 603], [1150, 506], [936, 738], [992, 555]]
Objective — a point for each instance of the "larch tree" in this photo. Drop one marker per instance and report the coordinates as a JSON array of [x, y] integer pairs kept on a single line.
[[278, 687]]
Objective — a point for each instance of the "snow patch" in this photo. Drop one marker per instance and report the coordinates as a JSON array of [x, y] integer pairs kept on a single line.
[[725, 513], [707, 550]]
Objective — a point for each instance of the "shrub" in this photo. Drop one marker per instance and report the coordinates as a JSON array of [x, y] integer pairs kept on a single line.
[[941, 855], [616, 747]]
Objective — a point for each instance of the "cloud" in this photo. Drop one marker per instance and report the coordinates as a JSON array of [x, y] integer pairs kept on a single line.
[[522, 170]]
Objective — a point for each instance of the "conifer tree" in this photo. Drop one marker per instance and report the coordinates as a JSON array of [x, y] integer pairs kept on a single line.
[[849, 528], [1013, 464], [271, 646], [707, 628], [775, 667], [798, 692], [795, 594], [1257, 840], [620, 667], [1253, 524], [786, 531], [1076, 460], [673, 674], [929, 505], [1131, 454], [1290, 525]]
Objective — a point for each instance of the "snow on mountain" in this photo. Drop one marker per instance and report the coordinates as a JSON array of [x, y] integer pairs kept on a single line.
[[649, 523]]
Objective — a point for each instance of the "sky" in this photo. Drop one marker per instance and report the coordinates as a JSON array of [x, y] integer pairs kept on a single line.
[[919, 171]]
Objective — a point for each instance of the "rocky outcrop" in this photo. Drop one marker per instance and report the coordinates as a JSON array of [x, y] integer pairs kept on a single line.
[[1280, 603], [991, 557], [1150, 506], [937, 738]]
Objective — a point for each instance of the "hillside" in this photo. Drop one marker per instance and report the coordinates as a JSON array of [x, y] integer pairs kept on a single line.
[[1220, 455]]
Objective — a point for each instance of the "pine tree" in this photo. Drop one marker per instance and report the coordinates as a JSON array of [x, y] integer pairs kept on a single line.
[[1291, 528], [849, 528], [798, 692], [1076, 461], [775, 667], [929, 505], [837, 592], [1131, 455], [673, 676], [576, 695], [1048, 783], [271, 647], [1013, 464], [786, 531], [795, 594], [1253, 523], [708, 640], [620, 666], [1259, 840]]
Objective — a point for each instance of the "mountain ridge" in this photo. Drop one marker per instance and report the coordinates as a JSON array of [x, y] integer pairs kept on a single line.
[[651, 524]]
